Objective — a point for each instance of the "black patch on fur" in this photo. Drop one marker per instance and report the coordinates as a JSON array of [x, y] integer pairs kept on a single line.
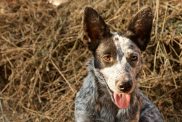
[[95, 28]]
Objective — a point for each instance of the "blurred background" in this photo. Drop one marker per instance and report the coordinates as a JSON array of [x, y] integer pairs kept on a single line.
[[42, 56]]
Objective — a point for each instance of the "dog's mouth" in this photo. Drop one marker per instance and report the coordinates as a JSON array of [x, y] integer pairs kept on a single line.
[[121, 100]]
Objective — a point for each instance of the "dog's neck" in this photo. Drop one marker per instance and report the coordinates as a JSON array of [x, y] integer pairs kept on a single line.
[[104, 93]]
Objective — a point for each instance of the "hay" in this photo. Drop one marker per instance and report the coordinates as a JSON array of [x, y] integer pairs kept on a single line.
[[42, 56]]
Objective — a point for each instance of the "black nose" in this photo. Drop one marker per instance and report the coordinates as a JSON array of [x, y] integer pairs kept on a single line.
[[125, 86]]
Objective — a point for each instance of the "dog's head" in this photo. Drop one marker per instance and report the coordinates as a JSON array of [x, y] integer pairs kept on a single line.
[[118, 57]]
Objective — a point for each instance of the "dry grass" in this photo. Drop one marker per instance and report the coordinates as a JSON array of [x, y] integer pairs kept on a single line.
[[42, 56]]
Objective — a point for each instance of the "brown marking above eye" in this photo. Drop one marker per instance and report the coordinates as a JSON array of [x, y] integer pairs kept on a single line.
[[107, 58]]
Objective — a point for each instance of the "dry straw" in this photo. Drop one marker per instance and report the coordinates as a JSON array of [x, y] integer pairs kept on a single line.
[[42, 56]]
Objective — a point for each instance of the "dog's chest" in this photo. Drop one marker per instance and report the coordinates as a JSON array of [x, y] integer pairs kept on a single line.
[[106, 110], [111, 115]]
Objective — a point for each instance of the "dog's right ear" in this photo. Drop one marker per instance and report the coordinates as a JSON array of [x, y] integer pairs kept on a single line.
[[95, 29]]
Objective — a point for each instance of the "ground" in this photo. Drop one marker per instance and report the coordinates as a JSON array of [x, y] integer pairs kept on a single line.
[[43, 56]]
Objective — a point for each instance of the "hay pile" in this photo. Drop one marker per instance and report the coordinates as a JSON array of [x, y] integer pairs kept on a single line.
[[42, 56]]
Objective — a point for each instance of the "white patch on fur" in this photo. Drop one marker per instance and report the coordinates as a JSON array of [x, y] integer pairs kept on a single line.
[[57, 2], [117, 72], [122, 42]]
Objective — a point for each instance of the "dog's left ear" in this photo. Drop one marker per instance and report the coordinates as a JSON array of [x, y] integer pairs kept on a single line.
[[139, 28]]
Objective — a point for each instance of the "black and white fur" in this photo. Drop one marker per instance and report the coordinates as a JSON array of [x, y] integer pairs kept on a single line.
[[114, 67]]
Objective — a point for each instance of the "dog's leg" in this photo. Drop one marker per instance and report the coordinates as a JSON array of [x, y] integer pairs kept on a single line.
[[82, 118], [83, 107], [85, 100], [82, 110]]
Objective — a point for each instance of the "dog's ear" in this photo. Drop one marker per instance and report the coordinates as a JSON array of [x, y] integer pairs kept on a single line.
[[139, 28], [95, 28]]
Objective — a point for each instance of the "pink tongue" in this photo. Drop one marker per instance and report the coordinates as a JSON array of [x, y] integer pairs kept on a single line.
[[122, 100]]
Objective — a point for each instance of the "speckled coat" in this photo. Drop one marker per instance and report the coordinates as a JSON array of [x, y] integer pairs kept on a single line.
[[94, 104]]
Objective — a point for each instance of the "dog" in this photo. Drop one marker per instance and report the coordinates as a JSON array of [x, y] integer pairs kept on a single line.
[[110, 92]]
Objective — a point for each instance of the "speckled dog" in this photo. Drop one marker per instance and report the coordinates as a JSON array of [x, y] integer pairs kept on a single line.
[[109, 92]]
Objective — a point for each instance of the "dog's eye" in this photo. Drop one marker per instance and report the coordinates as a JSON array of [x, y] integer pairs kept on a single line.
[[107, 58], [134, 58]]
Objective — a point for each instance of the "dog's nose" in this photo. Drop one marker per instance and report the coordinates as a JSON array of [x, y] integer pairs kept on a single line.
[[125, 86]]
